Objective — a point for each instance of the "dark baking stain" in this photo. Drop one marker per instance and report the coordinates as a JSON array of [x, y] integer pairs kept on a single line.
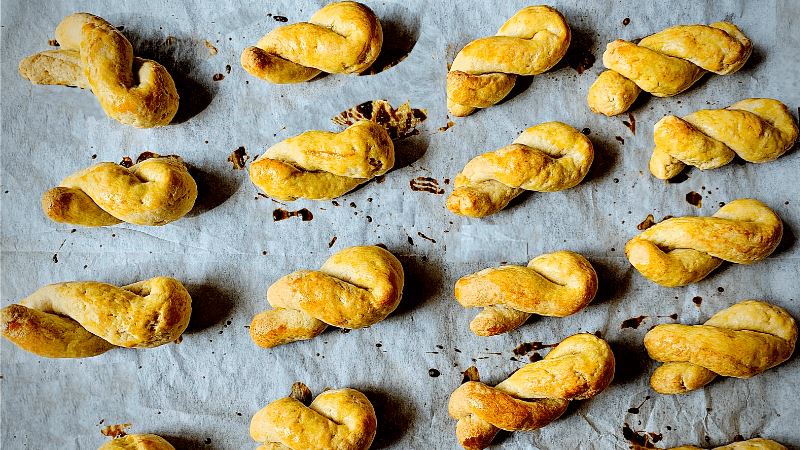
[[144, 156], [630, 123], [334, 203], [655, 437], [635, 409], [227, 68], [126, 162], [380, 179], [626, 21], [399, 122], [419, 233], [238, 158], [94, 156], [447, 127], [333, 241], [218, 77], [433, 373], [344, 330], [527, 347], [620, 140], [381, 245], [535, 357], [586, 131], [679, 178], [369, 219], [648, 222], [55, 257], [598, 334], [426, 184], [637, 438], [720, 289], [694, 199], [580, 59], [53, 43], [282, 214], [738, 438], [353, 204], [471, 374], [280, 19], [697, 301], [410, 240], [633, 322]]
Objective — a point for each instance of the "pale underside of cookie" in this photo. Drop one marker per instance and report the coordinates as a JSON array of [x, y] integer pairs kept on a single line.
[[342, 37], [355, 288], [341, 419], [758, 130], [93, 54], [138, 442], [321, 165], [750, 444], [666, 63], [684, 250], [554, 284], [154, 192], [580, 367], [531, 42], [86, 318], [547, 157], [741, 341]]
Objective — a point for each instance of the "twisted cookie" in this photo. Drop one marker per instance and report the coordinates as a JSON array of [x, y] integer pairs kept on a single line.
[[355, 288], [138, 442], [93, 54], [79, 319], [343, 37], [685, 250], [554, 284], [547, 157], [579, 368], [531, 42], [341, 419], [666, 63], [155, 191], [741, 341], [756, 129], [750, 444], [323, 165]]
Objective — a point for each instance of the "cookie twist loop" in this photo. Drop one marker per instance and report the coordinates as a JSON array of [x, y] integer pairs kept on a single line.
[[750, 444], [154, 192], [684, 250], [554, 284], [579, 368], [547, 157], [133, 91], [79, 319], [756, 129], [666, 63], [341, 419], [531, 42], [741, 341], [138, 442], [343, 37], [355, 288], [321, 165]]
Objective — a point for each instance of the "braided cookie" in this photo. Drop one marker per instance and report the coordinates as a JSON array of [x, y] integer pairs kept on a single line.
[[554, 284], [531, 42], [355, 288], [156, 191], [93, 54], [547, 157], [78, 319], [138, 442], [341, 419], [757, 129], [321, 165], [343, 37], [741, 341], [579, 368], [684, 250], [750, 444], [666, 63]]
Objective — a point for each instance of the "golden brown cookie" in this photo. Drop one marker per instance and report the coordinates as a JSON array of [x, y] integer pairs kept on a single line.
[[78, 319], [579, 368], [138, 442], [554, 284], [531, 42], [684, 250], [750, 444], [93, 54], [666, 63], [342, 37], [547, 157], [741, 341]]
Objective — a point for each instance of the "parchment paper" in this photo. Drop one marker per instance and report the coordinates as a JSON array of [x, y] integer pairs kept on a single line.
[[202, 392]]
